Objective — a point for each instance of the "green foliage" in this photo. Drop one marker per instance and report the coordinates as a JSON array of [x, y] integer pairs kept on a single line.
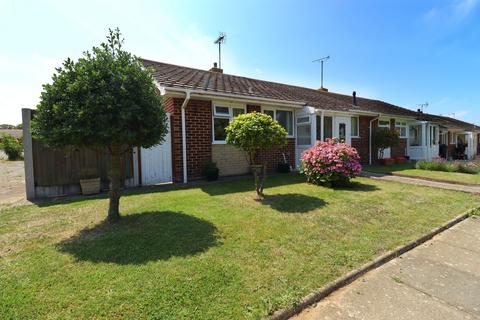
[[105, 98], [385, 138], [11, 146], [211, 171], [446, 166], [255, 132]]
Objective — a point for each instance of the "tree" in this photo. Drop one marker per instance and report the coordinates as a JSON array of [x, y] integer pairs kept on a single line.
[[384, 138], [11, 146], [256, 133], [106, 100]]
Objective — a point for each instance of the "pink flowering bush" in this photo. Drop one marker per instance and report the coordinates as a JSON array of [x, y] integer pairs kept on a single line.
[[330, 163]]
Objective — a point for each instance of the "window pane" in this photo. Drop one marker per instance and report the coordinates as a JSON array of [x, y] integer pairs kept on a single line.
[[219, 125], [416, 136], [285, 118], [342, 128], [384, 123], [269, 112], [238, 111], [303, 120], [327, 127], [222, 110], [304, 135], [354, 127]]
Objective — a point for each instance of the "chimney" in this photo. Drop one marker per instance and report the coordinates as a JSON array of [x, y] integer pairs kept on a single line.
[[354, 95], [323, 89], [419, 111], [216, 68]]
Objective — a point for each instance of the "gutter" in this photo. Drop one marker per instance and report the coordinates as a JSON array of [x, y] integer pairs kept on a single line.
[[370, 140], [214, 94], [184, 136]]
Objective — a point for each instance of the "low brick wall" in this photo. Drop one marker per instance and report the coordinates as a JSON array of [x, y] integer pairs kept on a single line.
[[230, 160]]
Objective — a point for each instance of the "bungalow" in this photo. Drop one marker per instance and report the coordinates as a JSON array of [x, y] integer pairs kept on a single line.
[[201, 103]]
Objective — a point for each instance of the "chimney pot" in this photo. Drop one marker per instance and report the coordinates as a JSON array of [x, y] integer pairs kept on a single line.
[[354, 94], [216, 68]]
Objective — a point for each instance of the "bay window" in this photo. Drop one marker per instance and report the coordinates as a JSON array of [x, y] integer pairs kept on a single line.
[[222, 114], [416, 135]]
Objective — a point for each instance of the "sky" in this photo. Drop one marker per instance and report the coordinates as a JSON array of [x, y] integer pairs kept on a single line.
[[406, 52]]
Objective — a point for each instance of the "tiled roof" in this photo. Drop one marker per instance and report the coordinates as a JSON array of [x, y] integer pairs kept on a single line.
[[170, 75]]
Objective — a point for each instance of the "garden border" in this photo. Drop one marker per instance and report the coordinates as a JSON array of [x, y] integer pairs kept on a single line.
[[420, 178], [321, 293]]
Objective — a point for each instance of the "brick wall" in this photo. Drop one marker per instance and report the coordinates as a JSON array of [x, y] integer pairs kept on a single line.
[[362, 143], [230, 160], [198, 116], [401, 149]]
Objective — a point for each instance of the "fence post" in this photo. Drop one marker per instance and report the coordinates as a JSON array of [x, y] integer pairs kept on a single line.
[[28, 154]]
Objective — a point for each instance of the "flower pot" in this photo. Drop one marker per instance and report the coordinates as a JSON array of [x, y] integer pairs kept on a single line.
[[90, 186]]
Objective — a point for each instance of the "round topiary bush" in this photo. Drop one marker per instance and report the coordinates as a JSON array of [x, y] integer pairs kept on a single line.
[[330, 163]]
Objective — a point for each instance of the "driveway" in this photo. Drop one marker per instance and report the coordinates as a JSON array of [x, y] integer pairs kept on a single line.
[[438, 280], [12, 182]]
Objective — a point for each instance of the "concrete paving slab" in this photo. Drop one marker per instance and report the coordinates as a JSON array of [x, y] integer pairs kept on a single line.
[[437, 280]]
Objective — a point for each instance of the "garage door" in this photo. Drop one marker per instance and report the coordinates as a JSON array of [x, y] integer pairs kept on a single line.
[[157, 161]]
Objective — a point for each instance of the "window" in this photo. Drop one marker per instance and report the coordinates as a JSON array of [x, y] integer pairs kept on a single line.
[[342, 132], [284, 117], [221, 117], [304, 136], [383, 124], [327, 128], [401, 127], [416, 135], [354, 129], [433, 136]]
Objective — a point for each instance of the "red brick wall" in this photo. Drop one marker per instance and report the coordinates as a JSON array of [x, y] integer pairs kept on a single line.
[[401, 149], [362, 143], [251, 108], [198, 116]]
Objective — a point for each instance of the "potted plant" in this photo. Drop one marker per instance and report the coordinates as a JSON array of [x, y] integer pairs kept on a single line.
[[89, 181], [401, 160], [211, 171]]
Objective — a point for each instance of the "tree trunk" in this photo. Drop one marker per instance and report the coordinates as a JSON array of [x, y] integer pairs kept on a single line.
[[115, 176]]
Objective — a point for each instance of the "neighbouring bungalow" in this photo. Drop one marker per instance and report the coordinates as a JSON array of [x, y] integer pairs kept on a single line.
[[200, 105]]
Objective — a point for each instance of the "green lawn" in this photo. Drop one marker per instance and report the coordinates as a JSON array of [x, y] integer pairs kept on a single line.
[[409, 170], [211, 252]]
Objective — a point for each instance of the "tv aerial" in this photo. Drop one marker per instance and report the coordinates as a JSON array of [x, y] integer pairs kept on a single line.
[[222, 38]]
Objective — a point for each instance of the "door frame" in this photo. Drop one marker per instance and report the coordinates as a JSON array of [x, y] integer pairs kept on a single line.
[[337, 120]]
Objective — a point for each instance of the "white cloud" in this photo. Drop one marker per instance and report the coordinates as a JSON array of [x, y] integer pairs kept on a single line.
[[454, 12]]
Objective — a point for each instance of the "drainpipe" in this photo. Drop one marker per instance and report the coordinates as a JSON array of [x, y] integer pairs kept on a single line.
[[370, 140], [184, 135]]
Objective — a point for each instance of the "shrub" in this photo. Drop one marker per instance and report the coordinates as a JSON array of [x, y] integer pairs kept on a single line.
[[211, 171], [385, 138], [330, 163], [256, 133], [439, 164], [11, 146]]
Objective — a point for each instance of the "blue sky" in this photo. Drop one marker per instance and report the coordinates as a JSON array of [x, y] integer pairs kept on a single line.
[[404, 52]]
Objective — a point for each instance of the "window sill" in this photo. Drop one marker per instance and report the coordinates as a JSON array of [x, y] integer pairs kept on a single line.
[[219, 142]]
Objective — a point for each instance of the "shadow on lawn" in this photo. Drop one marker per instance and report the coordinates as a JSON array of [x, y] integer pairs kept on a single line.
[[143, 237], [358, 187], [293, 202]]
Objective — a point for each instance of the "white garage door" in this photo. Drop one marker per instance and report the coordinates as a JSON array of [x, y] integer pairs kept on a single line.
[[157, 161]]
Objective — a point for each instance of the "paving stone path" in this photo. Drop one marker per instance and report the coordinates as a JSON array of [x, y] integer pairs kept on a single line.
[[437, 280]]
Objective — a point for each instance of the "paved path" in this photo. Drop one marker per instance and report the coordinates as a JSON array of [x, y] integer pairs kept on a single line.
[[423, 182], [437, 280]]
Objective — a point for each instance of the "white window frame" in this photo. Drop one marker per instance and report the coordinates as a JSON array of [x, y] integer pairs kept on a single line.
[[304, 124], [402, 124], [274, 109], [358, 127], [230, 107], [384, 126]]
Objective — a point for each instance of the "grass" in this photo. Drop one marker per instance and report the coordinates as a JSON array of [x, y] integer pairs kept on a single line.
[[211, 252], [408, 169]]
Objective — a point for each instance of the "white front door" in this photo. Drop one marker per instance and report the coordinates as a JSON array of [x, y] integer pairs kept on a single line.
[[342, 129], [156, 162]]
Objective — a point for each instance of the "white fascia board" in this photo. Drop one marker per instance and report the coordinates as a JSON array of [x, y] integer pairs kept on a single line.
[[234, 97]]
